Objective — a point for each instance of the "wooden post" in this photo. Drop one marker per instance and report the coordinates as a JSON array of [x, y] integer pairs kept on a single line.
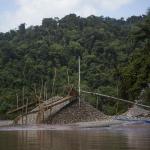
[[41, 91], [27, 111], [17, 99], [97, 102], [46, 93], [117, 88], [22, 103], [43, 113], [22, 117], [54, 82], [79, 82], [117, 105], [23, 95], [35, 89], [39, 112], [68, 77]]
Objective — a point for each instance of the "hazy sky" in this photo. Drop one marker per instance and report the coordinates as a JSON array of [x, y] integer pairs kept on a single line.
[[14, 12]]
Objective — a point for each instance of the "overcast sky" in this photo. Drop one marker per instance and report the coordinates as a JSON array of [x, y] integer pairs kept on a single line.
[[14, 12]]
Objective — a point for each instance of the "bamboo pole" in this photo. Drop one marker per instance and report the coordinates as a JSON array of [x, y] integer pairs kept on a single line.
[[111, 97], [68, 77], [27, 111], [17, 99], [41, 91], [35, 92], [35, 89], [39, 111], [44, 91], [23, 95], [22, 117], [79, 90], [22, 103], [97, 102], [117, 105], [54, 81]]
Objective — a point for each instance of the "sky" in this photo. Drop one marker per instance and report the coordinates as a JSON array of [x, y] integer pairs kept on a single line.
[[31, 12]]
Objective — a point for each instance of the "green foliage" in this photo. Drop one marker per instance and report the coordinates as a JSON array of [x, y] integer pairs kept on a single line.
[[135, 77], [29, 57]]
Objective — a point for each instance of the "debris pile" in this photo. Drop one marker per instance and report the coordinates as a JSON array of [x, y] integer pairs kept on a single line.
[[72, 113], [137, 111]]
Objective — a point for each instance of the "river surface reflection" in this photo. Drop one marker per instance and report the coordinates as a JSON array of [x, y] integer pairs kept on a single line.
[[124, 138]]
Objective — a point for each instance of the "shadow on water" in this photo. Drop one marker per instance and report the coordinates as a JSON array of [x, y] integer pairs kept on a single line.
[[76, 139]]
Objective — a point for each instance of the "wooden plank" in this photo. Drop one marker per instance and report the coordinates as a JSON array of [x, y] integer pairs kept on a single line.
[[71, 98], [20, 108]]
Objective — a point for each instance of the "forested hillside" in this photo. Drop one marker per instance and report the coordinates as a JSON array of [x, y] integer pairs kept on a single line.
[[114, 57]]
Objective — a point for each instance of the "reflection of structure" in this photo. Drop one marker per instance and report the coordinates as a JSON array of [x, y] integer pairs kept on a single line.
[[71, 140], [85, 139]]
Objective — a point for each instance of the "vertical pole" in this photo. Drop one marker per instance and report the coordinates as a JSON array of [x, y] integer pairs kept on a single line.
[[68, 76], [41, 91], [117, 89], [117, 96], [35, 89], [97, 102], [23, 95], [79, 82], [17, 99], [54, 82], [23, 91], [27, 111], [22, 117], [46, 93]]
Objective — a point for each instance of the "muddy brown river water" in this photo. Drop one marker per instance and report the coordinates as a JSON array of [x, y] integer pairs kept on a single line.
[[59, 138]]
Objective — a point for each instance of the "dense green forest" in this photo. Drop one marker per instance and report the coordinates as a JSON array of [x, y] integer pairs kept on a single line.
[[115, 58]]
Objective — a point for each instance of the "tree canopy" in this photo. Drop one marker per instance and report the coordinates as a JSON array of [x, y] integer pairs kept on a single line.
[[114, 54]]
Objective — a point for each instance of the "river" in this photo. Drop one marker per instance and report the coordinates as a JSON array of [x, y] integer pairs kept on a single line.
[[59, 138]]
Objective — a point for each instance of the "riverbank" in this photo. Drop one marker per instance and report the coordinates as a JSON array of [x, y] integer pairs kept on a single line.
[[98, 124], [6, 123], [86, 116]]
